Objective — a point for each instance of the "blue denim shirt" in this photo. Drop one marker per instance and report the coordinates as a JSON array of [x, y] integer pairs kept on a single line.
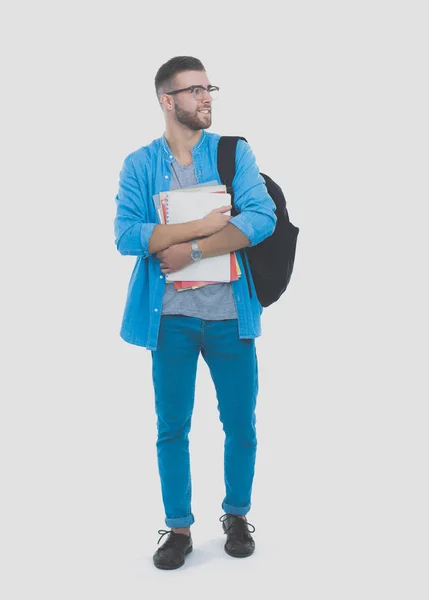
[[147, 172]]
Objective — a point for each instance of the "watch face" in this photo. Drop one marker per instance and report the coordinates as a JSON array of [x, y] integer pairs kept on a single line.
[[196, 253]]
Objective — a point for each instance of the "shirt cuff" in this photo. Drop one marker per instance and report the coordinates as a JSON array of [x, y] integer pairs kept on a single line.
[[244, 225], [145, 234]]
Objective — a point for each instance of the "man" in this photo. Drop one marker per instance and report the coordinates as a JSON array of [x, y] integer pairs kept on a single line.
[[219, 320]]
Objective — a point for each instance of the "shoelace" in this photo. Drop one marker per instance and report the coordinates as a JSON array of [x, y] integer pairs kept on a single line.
[[241, 526], [170, 540]]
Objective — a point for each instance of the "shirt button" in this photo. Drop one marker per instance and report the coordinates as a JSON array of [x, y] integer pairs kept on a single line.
[[161, 276], [171, 156], [156, 310], [166, 176]]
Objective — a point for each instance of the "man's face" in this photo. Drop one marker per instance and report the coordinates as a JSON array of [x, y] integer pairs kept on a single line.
[[187, 110]]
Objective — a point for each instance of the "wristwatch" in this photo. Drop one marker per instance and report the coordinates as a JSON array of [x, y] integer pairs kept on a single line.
[[196, 253]]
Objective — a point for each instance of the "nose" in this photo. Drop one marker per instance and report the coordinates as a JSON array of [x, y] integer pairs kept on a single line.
[[207, 95]]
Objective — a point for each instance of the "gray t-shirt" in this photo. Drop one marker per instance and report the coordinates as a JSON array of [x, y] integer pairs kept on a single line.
[[211, 302]]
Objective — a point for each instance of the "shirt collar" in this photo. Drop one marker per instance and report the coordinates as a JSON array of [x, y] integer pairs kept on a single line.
[[194, 150]]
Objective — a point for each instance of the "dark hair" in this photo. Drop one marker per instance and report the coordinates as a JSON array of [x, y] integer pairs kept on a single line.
[[164, 79]]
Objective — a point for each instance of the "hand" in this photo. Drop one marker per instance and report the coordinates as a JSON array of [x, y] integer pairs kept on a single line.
[[175, 257], [215, 220]]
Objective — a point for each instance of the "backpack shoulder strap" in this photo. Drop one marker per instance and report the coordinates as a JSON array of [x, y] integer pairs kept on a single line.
[[226, 159], [226, 168]]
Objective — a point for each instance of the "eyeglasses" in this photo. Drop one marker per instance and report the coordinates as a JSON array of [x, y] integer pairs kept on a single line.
[[198, 91]]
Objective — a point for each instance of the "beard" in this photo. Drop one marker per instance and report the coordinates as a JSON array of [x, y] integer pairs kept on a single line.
[[192, 120]]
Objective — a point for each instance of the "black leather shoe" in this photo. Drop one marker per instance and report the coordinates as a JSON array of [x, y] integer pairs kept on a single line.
[[239, 542], [171, 555]]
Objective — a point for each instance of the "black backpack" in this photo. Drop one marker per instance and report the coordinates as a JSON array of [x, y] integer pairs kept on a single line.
[[271, 261]]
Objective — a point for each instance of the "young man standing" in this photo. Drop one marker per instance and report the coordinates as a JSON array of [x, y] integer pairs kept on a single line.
[[220, 321]]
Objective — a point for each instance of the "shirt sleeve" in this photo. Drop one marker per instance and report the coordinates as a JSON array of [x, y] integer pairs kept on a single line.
[[132, 231], [257, 218]]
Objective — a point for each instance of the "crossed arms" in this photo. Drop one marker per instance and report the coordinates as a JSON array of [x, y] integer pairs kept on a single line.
[[134, 235]]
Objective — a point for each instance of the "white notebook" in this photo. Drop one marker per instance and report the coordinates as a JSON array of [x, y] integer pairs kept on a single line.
[[188, 206]]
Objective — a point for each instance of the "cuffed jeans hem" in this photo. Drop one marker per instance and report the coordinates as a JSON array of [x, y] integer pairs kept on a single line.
[[180, 521], [235, 510]]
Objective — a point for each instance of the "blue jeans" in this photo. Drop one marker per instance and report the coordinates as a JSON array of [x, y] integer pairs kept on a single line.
[[234, 370]]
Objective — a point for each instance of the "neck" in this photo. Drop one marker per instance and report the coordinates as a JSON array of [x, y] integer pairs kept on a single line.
[[181, 139]]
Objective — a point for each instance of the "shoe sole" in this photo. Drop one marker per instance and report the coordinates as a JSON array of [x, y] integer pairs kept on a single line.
[[167, 568], [238, 555]]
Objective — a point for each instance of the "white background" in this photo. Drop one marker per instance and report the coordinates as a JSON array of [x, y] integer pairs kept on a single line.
[[332, 97]]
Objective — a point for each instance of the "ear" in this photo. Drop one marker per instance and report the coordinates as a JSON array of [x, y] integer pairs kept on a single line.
[[166, 102]]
